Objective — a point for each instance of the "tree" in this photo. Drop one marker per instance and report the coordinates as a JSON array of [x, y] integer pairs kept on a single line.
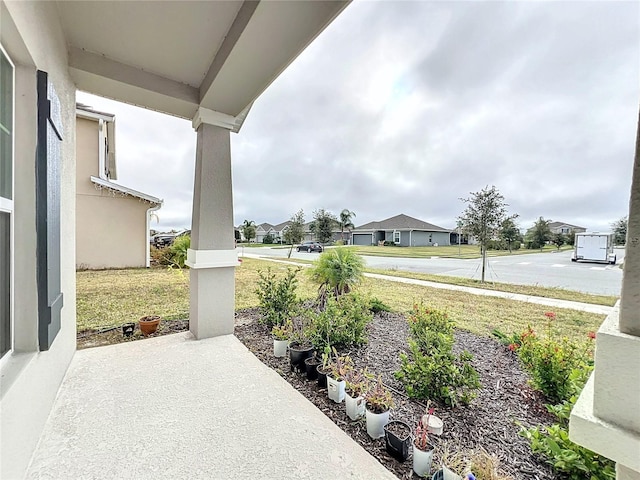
[[571, 237], [509, 232], [323, 224], [559, 239], [538, 235], [248, 230], [337, 271], [345, 221], [619, 228], [294, 232], [483, 217]]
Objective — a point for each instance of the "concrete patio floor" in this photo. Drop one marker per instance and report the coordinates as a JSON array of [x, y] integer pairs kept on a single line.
[[173, 407]]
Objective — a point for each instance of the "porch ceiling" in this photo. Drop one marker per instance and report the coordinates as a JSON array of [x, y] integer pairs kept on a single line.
[[175, 56]]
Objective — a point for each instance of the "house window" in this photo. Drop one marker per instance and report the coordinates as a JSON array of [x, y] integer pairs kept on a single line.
[[6, 199], [396, 236], [430, 238]]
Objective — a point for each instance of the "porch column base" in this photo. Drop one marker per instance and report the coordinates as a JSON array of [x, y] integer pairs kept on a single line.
[[212, 305], [605, 418]]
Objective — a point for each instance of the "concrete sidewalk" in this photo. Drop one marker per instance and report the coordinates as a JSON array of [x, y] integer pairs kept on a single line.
[[173, 407], [551, 302]]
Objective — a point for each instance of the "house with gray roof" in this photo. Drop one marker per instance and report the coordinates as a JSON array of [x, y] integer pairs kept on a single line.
[[402, 230], [565, 228]]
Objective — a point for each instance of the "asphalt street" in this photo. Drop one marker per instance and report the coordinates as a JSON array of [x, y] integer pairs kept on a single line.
[[544, 269]]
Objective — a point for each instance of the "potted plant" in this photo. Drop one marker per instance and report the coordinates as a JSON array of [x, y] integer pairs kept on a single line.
[[311, 364], [397, 439], [455, 465], [356, 384], [280, 335], [422, 449], [335, 378], [128, 329], [378, 402], [300, 347], [149, 324], [323, 368]]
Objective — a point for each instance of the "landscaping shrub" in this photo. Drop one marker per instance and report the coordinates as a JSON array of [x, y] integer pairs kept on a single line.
[[337, 271], [342, 323], [268, 239], [277, 296], [559, 369], [377, 306], [432, 370], [573, 461], [550, 360], [178, 250], [160, 256]]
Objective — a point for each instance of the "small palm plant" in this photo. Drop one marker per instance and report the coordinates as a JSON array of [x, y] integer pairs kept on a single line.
[[337, 271]]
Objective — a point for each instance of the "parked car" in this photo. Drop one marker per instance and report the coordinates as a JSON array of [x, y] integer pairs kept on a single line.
[[163, 239], [309, 247]]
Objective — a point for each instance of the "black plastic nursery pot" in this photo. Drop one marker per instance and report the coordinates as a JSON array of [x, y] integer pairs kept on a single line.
[[397, 439], [128, 328], [297, 355], [311, 365], [322, 377]]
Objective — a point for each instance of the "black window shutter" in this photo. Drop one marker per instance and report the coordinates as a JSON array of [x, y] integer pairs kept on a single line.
[[48, 165]]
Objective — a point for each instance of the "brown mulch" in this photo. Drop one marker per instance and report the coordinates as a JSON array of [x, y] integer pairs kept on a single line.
[[489, 422]]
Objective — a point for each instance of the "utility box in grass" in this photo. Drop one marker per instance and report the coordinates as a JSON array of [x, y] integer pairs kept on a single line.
[[594, 247]]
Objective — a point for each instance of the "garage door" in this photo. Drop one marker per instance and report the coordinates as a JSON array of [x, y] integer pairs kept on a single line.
[[361, 238]]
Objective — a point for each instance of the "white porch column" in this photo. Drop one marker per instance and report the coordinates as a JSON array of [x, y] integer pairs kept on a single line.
[[212, 256], [606, 418]]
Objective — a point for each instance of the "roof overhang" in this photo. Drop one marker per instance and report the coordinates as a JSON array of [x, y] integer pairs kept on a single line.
[[123, 191], [208, 59]]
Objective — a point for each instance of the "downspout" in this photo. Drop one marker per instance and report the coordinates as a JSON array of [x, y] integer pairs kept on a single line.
[[102, 149], [148, 247], [410, 242]]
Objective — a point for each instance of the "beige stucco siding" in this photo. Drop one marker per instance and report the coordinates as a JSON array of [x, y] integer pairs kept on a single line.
[[110, 227], [33, 39], [110, 231]]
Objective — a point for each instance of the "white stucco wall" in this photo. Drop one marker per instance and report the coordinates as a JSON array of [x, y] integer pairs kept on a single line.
[[31, 35]]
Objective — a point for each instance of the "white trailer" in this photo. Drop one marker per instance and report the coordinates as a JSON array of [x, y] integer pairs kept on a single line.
[[594, 247]]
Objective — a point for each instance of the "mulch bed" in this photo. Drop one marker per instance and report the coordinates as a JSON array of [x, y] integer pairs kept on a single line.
[[489, 422]]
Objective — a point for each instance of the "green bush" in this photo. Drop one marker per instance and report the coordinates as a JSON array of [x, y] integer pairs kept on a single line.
[[432, 370], [341, 324], [550, 360], [178, 250], [268, 239], [376, 306], [559, 369], [573, 461], [277, 296]]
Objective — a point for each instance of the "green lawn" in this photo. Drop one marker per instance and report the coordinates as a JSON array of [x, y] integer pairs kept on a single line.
[[532, 290], [448, 251], [112, 297]]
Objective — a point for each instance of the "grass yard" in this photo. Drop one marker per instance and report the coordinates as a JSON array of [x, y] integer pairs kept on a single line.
[[447, 251], [532, 290], [112, 297]]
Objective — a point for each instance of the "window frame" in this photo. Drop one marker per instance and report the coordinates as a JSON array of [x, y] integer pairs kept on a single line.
[[396, 233], [7, 206]]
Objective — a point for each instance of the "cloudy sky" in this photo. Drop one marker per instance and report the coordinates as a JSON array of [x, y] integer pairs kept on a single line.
[[404, 107]]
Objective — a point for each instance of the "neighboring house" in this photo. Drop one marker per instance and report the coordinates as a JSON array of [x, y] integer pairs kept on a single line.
[[279, 231], [565, 228], [263, 230], [112, 221], [402, 230]]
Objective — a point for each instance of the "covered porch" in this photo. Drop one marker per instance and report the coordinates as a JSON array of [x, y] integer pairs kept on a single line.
[[176, 407]]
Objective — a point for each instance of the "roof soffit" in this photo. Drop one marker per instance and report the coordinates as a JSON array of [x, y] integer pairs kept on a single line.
[[179, 57]]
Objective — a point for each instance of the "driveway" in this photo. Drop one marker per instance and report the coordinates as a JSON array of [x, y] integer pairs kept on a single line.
[[544, 269]]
